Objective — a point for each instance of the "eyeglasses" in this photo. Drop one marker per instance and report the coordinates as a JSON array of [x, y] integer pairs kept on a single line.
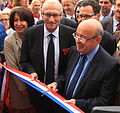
[[48, 15], [36, 5], [84, 16], [83, 38], [4, 20]]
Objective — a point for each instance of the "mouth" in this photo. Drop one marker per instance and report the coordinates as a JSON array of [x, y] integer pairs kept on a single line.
[[118, 11], [102, 9], [51, 24], [80, 46], [19, 28]]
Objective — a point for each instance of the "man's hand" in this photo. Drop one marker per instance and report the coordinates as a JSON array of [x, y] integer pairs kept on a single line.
[[33, 76], [73, 101], [53, 86]]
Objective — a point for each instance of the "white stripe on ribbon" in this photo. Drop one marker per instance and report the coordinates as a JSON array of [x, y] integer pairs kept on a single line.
[[3, 85], [41, 87]]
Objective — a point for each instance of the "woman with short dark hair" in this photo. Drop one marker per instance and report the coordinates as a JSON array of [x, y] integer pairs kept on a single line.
[[20, 19]]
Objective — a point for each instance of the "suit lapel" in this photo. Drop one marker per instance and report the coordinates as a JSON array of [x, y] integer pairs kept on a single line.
[[39, 35], [63, 43], [18, 40], [110, 25], [94, 65], [91, 68], [62, 40], [17, 46], [71, 66]]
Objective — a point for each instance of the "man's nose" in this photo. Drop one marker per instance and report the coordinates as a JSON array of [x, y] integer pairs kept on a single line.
[[51, 18], [18, 22], [65, 7], [80, 41]]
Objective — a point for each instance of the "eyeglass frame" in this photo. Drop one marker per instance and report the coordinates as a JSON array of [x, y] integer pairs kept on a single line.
[[82, 37], [4, 20], [53, 15], [85, 16]]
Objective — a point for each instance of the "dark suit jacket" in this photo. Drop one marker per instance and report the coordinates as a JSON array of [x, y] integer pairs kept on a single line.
[[109, 43], [32, 59], [108, 25], [32, 49], [64, 21], [97, 87]]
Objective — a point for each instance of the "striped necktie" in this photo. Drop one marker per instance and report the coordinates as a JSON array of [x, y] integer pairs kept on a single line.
[[76, 77]]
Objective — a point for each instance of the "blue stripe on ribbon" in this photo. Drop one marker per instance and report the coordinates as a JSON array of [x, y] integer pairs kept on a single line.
[[1, 80], [45, 93], [42, 91]]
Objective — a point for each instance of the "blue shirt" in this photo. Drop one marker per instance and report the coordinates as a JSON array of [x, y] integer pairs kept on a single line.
[[89, 58]]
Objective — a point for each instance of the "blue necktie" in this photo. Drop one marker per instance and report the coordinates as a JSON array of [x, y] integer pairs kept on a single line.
[[76, 77], [50, 61]]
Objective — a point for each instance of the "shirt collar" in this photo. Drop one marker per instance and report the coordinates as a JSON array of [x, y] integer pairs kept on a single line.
[[115, 21], [70, 17], [92, 53], [55, 33], [108, 16]]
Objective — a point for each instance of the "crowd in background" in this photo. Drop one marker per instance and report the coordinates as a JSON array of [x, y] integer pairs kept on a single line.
[[26, 27]]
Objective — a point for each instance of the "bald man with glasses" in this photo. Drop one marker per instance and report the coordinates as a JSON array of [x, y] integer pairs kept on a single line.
[[90, 9], [96, 84]]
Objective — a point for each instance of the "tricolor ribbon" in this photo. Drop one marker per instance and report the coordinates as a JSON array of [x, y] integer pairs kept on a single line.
[[3, 86], [41, 87]]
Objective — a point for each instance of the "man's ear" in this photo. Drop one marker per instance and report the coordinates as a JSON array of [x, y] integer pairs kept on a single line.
[[62, 15], [99, 38]]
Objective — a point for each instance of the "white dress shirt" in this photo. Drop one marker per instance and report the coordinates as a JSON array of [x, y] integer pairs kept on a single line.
[[115, 22], [56, 45]]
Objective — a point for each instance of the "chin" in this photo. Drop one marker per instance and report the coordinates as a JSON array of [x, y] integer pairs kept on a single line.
[[19, 31], [80, 50], [51, 29]]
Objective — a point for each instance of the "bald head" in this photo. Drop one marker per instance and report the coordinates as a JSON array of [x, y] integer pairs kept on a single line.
[[52, 3], [52, 14], [88, 35], [93, 26], [68, 1]]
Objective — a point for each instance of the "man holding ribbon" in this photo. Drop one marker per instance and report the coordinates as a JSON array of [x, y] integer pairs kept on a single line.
[[44, 51], [92, 74]]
